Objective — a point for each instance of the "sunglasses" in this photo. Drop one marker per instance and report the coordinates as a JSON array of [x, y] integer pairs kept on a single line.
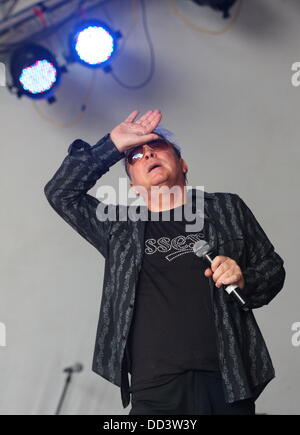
[[138, 153]]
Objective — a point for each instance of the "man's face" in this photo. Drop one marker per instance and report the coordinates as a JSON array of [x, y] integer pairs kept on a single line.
[[158, 165]]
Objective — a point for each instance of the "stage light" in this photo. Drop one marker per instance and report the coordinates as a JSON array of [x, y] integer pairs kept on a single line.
[[93, 44], [219, 5], [35, 72]]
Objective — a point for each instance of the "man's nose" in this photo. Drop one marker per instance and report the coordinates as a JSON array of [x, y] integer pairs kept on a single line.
[[148, 151]]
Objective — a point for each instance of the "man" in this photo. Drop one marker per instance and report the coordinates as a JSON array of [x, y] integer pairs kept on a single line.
[[165, 317]]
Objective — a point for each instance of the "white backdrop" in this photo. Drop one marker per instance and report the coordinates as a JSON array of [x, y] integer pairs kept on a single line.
[[230, 100]]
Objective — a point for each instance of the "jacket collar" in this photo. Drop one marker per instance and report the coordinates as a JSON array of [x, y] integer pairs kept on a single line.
[[206, 195], [209, 195]]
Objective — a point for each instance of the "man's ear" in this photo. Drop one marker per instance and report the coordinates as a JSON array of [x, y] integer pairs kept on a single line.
[[184, 166]]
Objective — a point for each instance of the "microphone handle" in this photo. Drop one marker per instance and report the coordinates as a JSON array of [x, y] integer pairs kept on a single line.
[[232, 290]]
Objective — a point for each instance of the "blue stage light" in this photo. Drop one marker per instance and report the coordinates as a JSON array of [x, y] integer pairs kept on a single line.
[[39, 77], [35, 71], [93, 43]]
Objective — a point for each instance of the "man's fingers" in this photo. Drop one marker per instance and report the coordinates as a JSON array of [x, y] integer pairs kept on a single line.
[[208, 273], [132, 116], [225, 278], [153, 116], [154, 119], [150, 120], [219, 259], [144, 117], [149, 137], [151, 123]]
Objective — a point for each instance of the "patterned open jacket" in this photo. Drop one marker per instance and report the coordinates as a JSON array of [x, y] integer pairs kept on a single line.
[[232, 229]]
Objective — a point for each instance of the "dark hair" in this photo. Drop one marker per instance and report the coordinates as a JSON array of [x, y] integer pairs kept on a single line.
[[177, 152]]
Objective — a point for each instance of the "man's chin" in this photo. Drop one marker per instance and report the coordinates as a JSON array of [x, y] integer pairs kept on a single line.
[[157, 176], [158, 180]]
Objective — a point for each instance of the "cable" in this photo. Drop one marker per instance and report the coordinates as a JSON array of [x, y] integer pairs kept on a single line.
[[79, 116], [51, 29], [61, 42], [131, 27], [152, 55], [188, 22], [44, 33], [10, 9], [29, 8], [108, 16]]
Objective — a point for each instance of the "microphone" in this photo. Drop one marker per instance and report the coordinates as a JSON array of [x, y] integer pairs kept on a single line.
[[203, 250], [75, 368]]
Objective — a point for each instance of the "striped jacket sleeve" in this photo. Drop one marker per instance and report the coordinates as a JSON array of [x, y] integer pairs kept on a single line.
[[265, 274], [67, 190]]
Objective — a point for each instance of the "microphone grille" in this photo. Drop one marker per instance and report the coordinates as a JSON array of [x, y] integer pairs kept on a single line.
[[201, 248], [78, 367]]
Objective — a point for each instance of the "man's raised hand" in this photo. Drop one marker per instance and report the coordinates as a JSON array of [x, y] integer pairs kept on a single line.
[[131, 133]]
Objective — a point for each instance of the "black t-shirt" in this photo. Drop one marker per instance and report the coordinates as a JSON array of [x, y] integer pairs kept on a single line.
[[172, 328]]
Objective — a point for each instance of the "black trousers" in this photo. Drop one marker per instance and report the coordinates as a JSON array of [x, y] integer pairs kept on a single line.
[[192, 392]]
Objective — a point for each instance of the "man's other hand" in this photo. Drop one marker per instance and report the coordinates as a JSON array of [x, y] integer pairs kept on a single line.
[[131, 133]]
